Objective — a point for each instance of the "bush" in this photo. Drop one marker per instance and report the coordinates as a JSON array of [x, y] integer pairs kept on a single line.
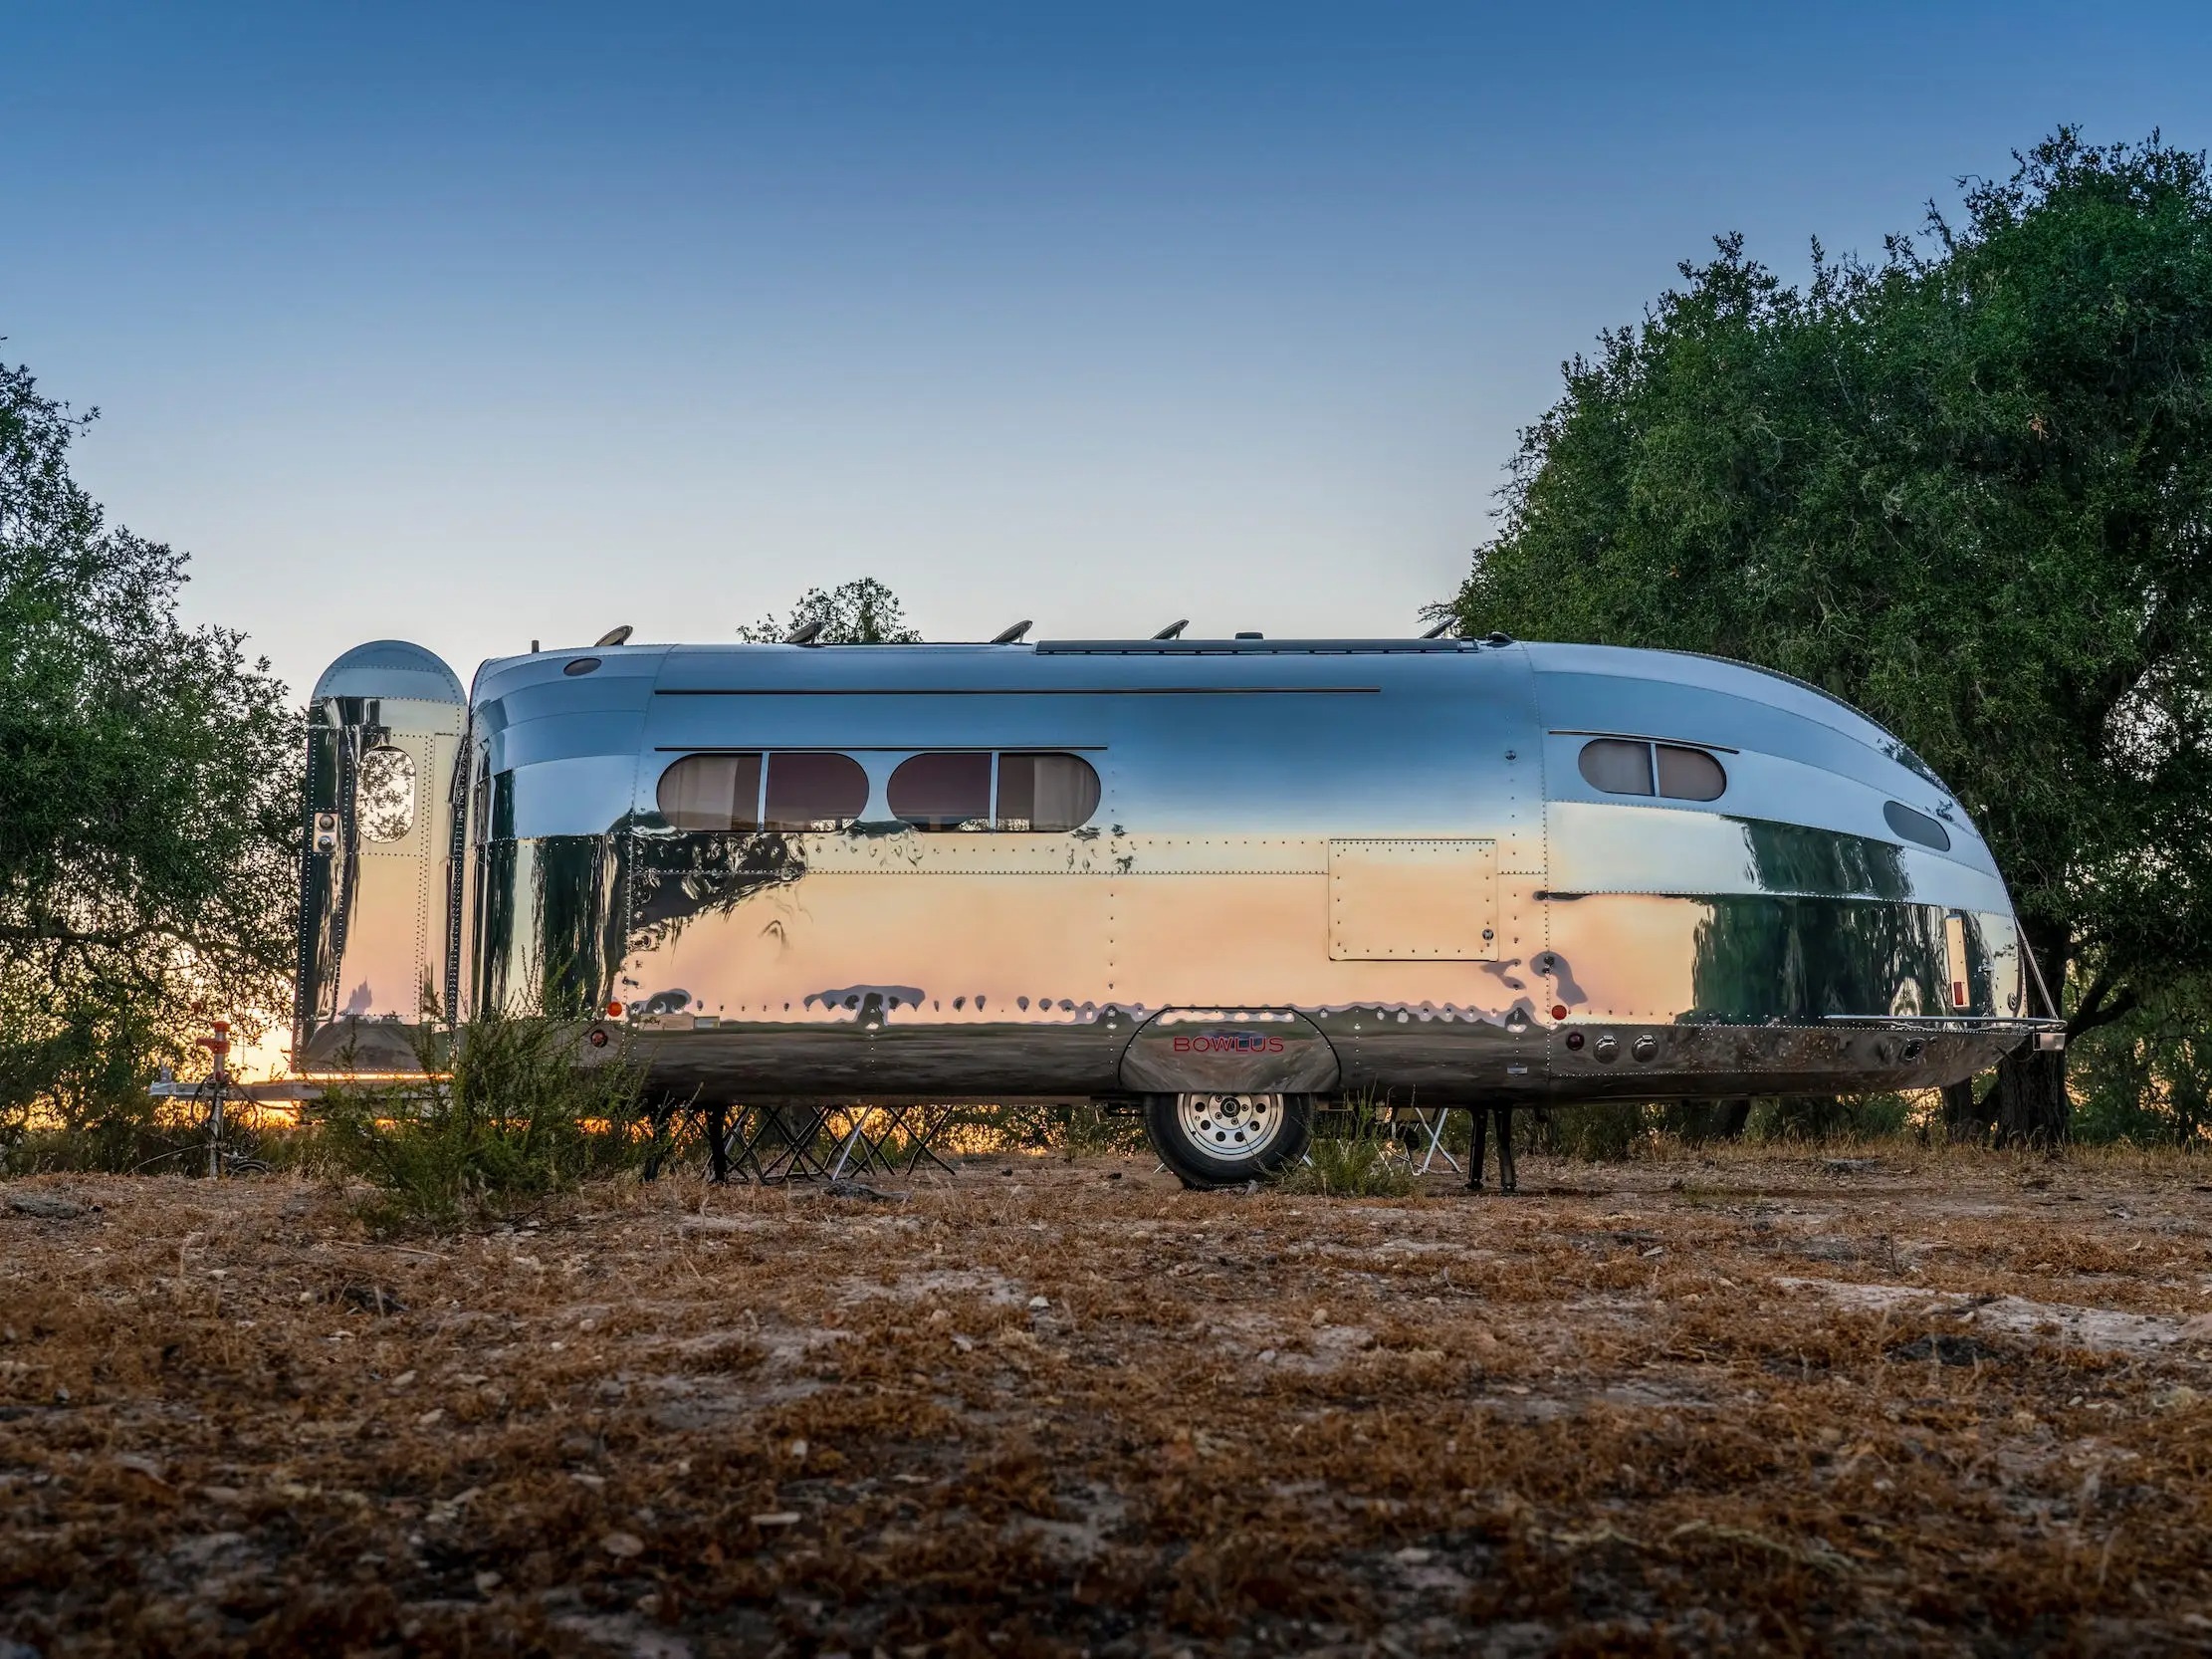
[[1597, 1130], [516, 1119], [2147, 1079], [1353, 1155], [1824, 1117], [1083, 1132]]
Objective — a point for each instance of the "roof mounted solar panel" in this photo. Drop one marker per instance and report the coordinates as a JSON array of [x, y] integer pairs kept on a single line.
[[1251, 648]]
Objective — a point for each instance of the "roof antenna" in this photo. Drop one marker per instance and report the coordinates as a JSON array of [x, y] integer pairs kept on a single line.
[[1012, 635], [804, 633], [1442, 629], [1174, 630], [613, 636]]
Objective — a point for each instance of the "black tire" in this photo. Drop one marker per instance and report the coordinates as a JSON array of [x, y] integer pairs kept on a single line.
[[1203, 1146]]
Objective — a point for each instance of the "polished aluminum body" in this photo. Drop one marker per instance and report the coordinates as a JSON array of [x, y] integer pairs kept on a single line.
[[1312, 867]]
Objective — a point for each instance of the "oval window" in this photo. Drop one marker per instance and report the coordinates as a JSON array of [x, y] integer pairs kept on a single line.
[[1041, 792], [712, 792], [814, 792], [1916, 826], [1690, 774], [384, 795], [942, 792], [1616, 766]]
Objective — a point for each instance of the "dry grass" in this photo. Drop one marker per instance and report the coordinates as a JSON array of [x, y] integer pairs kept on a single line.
[[1741, 1402]]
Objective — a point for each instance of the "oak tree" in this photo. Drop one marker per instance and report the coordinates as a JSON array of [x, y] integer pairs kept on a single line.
[[1967, 487], [148, 793]]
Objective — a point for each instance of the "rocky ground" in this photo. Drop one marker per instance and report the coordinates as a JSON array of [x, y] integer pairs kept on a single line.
[[1913, 1401]]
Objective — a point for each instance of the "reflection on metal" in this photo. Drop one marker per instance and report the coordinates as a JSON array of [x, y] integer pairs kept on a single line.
[[1310, 868], [384, 728], [384, 794], [1270, 1051]]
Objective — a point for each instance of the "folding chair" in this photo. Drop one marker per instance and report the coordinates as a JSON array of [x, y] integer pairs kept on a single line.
[[1431, 1121]]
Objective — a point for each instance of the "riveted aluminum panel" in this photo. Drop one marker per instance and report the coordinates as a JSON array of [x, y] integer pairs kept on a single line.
[[1429, 900], [1320, 829], [374, 920]]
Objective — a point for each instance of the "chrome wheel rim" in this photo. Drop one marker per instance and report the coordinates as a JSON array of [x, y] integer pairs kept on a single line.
[[1229, 1125]]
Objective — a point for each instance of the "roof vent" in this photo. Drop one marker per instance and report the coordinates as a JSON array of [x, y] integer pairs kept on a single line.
[[1442, 629], [1012, 635], [804, 633], [613, 636], [1252, 636], [1174, 630]]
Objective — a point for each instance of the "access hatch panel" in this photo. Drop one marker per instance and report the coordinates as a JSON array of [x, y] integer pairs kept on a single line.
[[1416, 900]]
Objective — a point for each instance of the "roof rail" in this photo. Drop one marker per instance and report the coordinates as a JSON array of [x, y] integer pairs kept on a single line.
[[1253, 647]]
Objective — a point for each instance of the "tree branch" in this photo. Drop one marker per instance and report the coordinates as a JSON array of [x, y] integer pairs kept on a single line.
[[57, 934], [2088, 1018]]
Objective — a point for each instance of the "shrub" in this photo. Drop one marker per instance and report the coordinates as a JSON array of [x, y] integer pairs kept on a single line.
[[516, 1118], [1597, 1130], [1353, 1155]]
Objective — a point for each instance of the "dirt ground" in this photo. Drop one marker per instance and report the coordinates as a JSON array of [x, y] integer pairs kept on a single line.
[[1912, 1401]]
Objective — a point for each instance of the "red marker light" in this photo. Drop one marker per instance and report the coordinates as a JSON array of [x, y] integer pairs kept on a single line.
[[1559, 1011], [614, 1011]]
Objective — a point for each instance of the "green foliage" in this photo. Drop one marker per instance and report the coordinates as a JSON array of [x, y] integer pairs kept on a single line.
[[2148, 1079], [517, 1121], [1085, 1131], [1967, 488], [1352, 1155], [859, 612], [1609, 1131], [1819, 1118], [1599, 1132], [148, 801]]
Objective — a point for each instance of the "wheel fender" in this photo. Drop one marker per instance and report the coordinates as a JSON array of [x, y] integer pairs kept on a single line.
[[1228, 1051]]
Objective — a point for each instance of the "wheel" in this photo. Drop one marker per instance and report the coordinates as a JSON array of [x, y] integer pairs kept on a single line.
[[1225, 1141]]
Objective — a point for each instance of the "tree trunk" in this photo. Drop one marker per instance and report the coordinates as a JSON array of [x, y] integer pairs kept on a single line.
[[2032, 1104], [2033, 1108], [1965, 1117]]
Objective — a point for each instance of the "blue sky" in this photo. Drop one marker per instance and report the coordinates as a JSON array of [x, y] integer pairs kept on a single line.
[[471, 325]]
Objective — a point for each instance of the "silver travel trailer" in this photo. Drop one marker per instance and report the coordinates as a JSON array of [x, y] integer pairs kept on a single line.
[[1228, 877]]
